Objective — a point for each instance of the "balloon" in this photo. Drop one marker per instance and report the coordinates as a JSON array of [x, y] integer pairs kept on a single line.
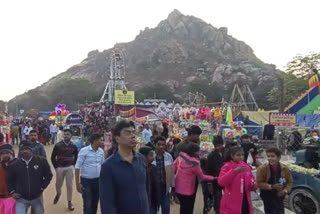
[[56, 108], [59, 112], [60, 106]]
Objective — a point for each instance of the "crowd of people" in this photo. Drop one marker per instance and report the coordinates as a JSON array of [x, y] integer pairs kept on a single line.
[[47, 131], [143, 181]]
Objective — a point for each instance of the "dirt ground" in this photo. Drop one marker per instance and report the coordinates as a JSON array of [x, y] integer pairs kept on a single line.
[[61, 207]]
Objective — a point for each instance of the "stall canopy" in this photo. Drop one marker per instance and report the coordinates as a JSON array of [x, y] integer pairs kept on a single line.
[[73, 120], [254, 117]]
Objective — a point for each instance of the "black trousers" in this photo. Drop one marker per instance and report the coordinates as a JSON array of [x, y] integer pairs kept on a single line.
[[90, 195], [208, 200], [273, 206], [186, 203], [217, 196]]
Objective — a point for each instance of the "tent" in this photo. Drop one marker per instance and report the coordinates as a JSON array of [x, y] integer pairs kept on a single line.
[[255, 120]]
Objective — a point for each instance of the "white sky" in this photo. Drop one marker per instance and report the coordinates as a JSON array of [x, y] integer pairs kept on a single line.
[[41, 38]]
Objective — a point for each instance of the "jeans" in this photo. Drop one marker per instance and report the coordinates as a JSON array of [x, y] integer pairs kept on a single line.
[[36, 205], [186, 203], [90, 195], [53, 137], [165, 205], [15, 139]]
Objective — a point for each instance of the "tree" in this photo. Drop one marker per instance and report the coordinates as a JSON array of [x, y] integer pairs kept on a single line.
[[72, 92], [301, 66], [2, 105], [293, 88], [32, 99]]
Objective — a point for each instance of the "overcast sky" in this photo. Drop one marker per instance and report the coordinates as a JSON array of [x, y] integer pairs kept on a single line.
[[42, 38]]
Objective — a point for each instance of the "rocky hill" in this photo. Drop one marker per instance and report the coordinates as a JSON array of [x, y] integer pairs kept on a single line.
[[180, 50]]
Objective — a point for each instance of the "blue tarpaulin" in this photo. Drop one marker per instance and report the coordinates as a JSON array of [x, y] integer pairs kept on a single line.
[[308, 120]]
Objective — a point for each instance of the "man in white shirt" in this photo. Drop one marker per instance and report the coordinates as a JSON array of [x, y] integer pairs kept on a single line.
[[53, 132], [146, 135], [88, 164], [27, 130], [60, 135]]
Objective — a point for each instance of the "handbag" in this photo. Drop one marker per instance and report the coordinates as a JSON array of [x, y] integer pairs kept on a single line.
[[250, 159]]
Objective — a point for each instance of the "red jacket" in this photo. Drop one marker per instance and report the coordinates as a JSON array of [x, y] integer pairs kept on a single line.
[[234, 185], [187, 169], [3, 184]]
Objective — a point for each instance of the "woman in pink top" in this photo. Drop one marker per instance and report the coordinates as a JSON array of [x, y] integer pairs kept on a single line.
[[237, 180], [187, 169]]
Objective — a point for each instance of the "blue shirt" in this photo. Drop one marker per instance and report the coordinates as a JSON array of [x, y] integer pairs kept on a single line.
[[123, 188], [89, 162], [146, 136], [37, 150]]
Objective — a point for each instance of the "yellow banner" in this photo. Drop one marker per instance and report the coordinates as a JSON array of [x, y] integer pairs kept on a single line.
[[124, 97]]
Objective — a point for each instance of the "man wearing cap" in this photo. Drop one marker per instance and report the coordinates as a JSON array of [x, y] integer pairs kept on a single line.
[[6, 157], [194, 133], [27, 178]]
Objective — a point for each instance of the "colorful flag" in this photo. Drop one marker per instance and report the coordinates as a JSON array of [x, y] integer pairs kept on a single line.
[[229, 118]]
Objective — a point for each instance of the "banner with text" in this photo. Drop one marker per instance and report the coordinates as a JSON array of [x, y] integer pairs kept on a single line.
[[124, 97], [280, 119]]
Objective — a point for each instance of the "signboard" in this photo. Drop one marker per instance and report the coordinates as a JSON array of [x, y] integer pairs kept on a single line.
[[282, 119], [73, 120], [124, 97]]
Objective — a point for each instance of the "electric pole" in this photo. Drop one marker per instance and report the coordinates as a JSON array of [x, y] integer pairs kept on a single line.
[[281, 93]]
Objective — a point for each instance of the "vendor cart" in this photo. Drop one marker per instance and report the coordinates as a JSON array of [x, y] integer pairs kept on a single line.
[[75, 123], [305, 195]]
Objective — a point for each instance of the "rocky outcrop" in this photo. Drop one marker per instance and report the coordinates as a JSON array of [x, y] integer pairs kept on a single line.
[[180, 50]]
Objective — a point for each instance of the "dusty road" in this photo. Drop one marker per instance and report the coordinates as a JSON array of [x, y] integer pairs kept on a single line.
[[61, 207]]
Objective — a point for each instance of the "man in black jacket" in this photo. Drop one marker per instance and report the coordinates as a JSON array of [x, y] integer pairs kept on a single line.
[[214, 164], [27, 178]]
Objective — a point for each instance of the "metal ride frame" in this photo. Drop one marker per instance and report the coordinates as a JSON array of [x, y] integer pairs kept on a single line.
[[243, 98], [117, 76]]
